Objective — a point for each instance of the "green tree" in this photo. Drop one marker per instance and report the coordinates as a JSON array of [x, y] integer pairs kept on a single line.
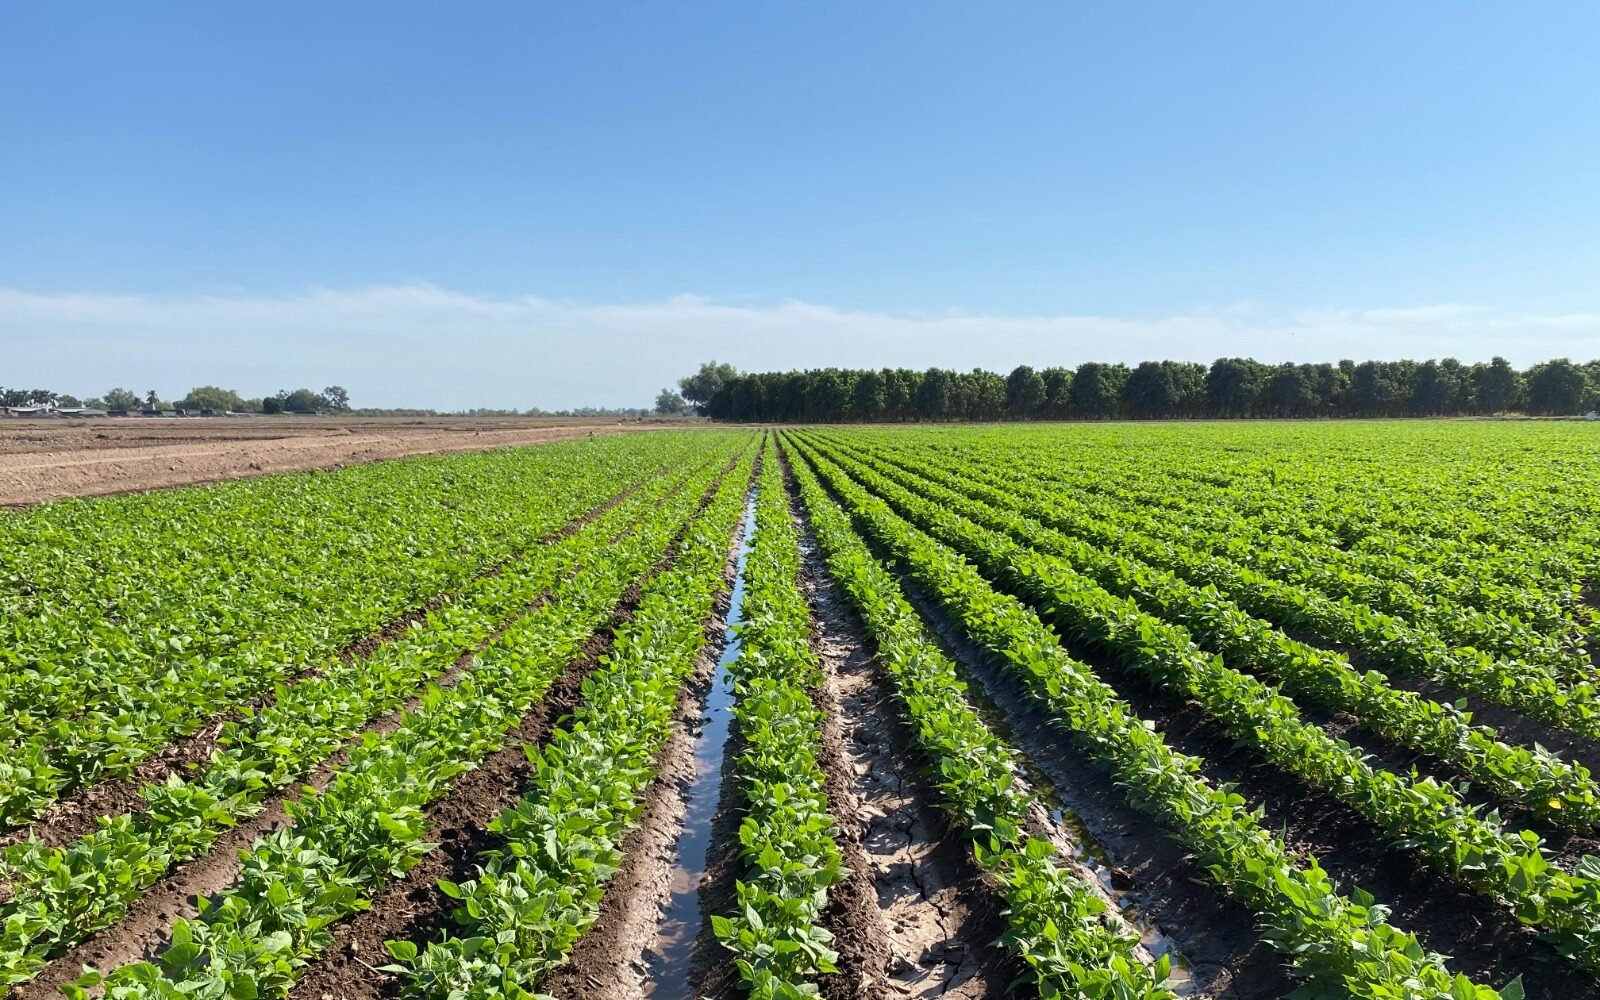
[[1150, 391], [933, 394], [27, 397], [900, 392], [1430, 395], [209, 397], [670, 404], [1233, 386], [337, 397], [1557, 388], [301, 401], [745, 398], [1382, 388], [1025, 393], [1097, 390], [703, 384], [1057, 392], [869, 399], [1290, 391], [1497, 386], [826, 396], [983, 394], [122, 399]]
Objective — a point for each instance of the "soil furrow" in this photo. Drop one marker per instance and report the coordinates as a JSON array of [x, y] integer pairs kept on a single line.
[[1216, 937], [711, 973], [33, 477], [411, 906], [916, 918], [1513, 725]]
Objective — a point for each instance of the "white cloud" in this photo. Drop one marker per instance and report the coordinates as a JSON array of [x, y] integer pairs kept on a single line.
[[428, 346]]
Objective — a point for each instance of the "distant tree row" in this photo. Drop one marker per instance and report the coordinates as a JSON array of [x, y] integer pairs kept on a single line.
[[200, 398], [1229, 387]]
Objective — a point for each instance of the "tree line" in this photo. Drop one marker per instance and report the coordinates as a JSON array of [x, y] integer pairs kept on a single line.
[[203, 398], [1227, 388]]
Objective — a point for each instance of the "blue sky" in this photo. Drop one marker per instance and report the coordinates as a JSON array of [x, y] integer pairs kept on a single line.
[[507, 192]]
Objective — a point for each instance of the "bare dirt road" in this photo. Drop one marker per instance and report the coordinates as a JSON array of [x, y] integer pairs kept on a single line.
[[49, 459]]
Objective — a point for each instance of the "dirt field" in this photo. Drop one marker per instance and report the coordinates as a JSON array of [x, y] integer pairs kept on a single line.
[[49, 459]]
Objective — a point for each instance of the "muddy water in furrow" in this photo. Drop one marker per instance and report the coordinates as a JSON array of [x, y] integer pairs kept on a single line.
[[672, 953]]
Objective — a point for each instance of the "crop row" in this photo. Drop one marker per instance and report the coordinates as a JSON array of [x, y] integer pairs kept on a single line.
[[1519, 626], [1495, 531], [1338, 941], [540, 889], [148, 581], [1533, 688], [787, 835], [1505, 621], [1559, 791], [108, 694], [1430, 817], [1063, 932], [368, 827], [61, 895]]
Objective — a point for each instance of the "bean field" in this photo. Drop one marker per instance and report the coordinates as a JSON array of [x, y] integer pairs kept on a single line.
[[1103, 711]]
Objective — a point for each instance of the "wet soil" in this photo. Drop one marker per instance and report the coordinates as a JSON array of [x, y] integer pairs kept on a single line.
[[613, 959], [1512, 725], [915, 919], [711, 974], [1447, 916], [1216, 937]]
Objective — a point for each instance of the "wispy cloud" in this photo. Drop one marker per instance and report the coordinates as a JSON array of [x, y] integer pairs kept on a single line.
[[429, 346]]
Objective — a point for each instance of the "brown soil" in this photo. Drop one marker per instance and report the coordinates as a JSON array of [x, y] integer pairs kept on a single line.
[[711, 971], [915, 918], [43, 460], [1512, 725], [1589, 601], [1220, 948], [1485, 941], [412, 906], [611, 959], [1170, 896]]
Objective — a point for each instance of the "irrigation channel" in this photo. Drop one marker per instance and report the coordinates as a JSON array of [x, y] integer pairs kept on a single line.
[[672, 954], [916, 918]]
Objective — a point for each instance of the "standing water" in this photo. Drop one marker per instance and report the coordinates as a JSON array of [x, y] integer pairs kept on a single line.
[[675, 938]]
